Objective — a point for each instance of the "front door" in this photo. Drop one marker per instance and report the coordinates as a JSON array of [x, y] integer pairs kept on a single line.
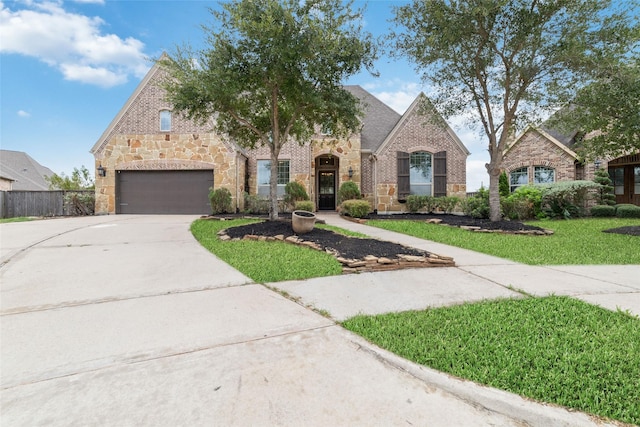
[[327, 190]]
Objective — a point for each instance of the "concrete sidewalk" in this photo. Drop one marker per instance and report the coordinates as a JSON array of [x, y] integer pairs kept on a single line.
[[475, 277]]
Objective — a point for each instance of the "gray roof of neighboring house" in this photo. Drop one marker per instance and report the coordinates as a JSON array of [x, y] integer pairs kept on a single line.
[[28, 175], [379, 119]]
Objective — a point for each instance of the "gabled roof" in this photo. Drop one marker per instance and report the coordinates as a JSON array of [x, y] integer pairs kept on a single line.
[[26, 173], [545, 134], [379, 119], [414, 109], [104, 138]]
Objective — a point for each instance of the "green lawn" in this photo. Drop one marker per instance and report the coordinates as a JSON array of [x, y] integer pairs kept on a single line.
[[264, 262], [574, 242], [554, 349], [17, 219]]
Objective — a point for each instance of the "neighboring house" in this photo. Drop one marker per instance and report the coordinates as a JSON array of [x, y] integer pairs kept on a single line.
[[155, 161], [20, 172], [540, 155]]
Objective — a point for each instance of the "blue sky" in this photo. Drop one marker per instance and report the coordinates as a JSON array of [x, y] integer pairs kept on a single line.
[[68, 67]]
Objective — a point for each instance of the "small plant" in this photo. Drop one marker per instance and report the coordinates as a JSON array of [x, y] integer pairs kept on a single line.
[[524, 203], [348, 191], [447, 204], [627, 211], [604, 194], [294, 192], [477, 206], [80, 203], [304, 205], [356, 208], [255, 204], [603, 211], [415, 203], [220, 199]]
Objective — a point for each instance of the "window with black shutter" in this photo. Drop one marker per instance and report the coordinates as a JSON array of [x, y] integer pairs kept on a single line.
[[403, 175], [440, 174]]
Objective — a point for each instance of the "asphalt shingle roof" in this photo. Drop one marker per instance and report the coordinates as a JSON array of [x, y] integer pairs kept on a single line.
[[378, 121], [28, 175]]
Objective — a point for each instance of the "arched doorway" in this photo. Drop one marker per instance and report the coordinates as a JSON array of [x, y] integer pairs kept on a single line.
[[327, 181]]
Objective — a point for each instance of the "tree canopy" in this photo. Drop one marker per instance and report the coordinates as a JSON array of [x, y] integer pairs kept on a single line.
[[509, 62], [80, 179], [272, 71]]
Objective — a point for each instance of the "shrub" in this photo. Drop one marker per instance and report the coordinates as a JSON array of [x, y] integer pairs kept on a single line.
[[304, 205], [294, 192], [255, 204], [348, 191], [220, 199], [524, 203], [415, 203], [604, 194], [627, 211], [80, 203], [603, 211], [566, 199], [356, 208], [503, 185], [447, 204], [477, 206]]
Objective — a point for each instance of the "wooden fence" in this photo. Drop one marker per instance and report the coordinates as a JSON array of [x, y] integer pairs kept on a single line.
[[36, 203]]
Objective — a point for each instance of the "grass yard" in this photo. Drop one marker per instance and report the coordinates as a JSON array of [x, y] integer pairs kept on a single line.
[[574, 242], [17, 219], [553, 349], [264, 262]]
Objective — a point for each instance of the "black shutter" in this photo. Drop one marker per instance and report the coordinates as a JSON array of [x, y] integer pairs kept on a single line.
[[404, 188], [440, 174]]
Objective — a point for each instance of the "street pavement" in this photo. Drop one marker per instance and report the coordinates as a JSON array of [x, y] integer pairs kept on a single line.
[[127, 320]]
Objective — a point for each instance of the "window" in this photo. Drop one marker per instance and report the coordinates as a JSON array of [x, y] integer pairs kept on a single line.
[[543, 175], [165, 121], [636, 180], [617, 176], [518, 178], [264, 175], [420, 173]]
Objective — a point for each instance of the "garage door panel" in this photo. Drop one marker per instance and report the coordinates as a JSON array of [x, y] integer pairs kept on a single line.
[[164, 192]]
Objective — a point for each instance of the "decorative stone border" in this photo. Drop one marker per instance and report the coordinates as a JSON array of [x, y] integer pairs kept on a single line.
[[370, 263]]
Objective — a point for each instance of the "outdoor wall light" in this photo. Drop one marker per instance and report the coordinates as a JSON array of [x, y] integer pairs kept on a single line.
[[597, 163], [102, 171], [350, 172]]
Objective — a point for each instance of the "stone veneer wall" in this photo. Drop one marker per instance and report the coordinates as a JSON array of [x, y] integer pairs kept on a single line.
[[417, 134], [168, 152], [534, 149]]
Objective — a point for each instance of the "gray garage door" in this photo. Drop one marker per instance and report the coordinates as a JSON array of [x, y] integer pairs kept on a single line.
[[163, 192]]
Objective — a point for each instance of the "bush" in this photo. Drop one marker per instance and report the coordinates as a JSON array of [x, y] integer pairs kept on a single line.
[[81, 203], [477, 206], [356, 208], [566, 199], [220, 199], [503, 185], [603, 211], [524, 203], [415, 203], [348, 191], [255, 204], [627, 211], [304, 205], [294, 192], [604, 194], [447, 204]]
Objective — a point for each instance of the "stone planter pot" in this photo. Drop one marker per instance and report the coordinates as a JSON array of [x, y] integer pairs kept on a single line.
[[302, 221]]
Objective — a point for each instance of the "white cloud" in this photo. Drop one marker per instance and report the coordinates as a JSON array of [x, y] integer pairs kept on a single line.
[[477, 175], [89, 1], [24, 114], [71, 42]]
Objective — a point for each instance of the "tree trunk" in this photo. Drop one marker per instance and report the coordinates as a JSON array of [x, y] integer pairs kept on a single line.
[[495, 213], [273, 186]]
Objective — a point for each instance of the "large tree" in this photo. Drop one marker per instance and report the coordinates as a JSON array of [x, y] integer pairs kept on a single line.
[[606, 111], [509, 61], [272, 71]]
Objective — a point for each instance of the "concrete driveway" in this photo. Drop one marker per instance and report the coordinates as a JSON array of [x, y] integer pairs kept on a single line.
[[127, 320]]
